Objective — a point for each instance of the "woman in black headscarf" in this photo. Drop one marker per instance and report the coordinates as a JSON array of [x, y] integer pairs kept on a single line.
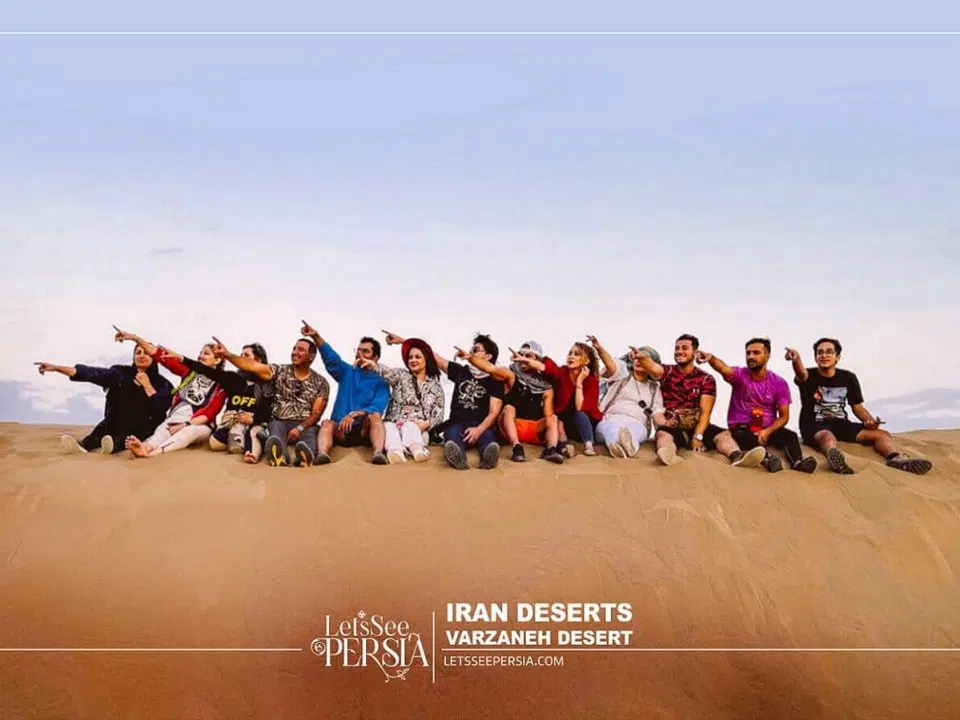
[[138, 398]]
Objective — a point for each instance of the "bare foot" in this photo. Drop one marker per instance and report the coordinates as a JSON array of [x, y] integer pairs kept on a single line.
[[135, 446]]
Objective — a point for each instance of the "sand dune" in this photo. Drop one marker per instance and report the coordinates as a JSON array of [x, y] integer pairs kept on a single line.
[[197, 550]]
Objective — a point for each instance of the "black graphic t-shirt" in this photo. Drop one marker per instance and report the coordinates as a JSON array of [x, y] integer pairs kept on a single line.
[[471, 395], [825, 399]]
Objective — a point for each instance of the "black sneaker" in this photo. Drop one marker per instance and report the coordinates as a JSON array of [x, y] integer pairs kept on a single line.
[[518, 454], [772, 463], [910, 465], [455, 456], [379, 458], [838, 463], [552, 454], [322, 458], [807, 465], [490, 456], [304, 454]]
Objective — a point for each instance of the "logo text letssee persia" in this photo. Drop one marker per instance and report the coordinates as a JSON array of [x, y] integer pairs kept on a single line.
[[362, 641]]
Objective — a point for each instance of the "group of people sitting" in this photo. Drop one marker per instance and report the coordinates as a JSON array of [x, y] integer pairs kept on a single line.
[[593, 399]]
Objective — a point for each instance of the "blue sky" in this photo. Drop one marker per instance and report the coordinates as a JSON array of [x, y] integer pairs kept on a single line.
[[633, 187]]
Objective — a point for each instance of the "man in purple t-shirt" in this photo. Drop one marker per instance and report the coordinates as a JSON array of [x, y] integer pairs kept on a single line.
[[760, 407]]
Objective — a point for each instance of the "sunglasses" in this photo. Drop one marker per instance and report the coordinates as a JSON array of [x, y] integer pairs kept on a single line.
[[646, 411]]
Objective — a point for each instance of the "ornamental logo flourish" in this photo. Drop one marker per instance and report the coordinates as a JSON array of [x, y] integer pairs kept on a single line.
[[362, 641]]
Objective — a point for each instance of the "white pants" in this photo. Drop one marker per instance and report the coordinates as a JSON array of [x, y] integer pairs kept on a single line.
[[404, 436], [163, 442], [608, 429]]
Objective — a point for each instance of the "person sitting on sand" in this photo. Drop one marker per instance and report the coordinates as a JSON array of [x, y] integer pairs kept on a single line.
[[362, 397], [689, 395], [825, 392], [194, 406], [629, 403], [760, 407], [527, 415], [138, 397], [477, 401], [416, 401], [299, 398], [576, 389], [248, 405]]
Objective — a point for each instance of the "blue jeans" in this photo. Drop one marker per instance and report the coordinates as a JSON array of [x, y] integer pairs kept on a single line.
[[455, 430], [577, 424]]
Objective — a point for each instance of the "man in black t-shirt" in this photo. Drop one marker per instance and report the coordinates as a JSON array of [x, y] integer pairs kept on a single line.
[[825, 393], [475, 406]]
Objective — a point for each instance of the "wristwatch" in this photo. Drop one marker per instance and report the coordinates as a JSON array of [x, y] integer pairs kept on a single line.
[[698, 436], [300, 429]]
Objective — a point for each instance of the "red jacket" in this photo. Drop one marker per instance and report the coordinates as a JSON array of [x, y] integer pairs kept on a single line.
[[564, 389], [215, 399]]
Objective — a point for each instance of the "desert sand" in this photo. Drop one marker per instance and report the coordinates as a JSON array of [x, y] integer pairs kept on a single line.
[[197, 550]]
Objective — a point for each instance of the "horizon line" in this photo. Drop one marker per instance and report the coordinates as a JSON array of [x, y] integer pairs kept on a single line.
[[484, 33]]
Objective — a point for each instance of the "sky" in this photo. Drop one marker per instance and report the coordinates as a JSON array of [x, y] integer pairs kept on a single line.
[[530, 186]]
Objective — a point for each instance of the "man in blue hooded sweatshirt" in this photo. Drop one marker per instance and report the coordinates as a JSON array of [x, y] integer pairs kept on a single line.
[[362, 397]]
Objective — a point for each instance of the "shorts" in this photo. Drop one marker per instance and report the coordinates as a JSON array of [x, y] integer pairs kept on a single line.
[[843, 430], [528, 431], [354, 436], [684, 438]]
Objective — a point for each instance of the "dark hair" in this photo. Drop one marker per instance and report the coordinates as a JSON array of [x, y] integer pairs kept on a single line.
[[258, 352], [221, 362], [489, 346], [592, 361], [375, 343], [692, 338], [762, 341], [836, 344], [311, 344]]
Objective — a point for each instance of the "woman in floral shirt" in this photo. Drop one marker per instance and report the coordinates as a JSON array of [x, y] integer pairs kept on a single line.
[[416, 402]]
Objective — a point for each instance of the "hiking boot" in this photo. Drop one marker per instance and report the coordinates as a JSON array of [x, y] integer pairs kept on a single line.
[[807, 465], [772, 463], [910, 465], [322, 458], [304, 454], [567, 450], [455, 456], [490, 456], [518, 454], [273, 451], [750, 459], [838, 463], [379, 458]]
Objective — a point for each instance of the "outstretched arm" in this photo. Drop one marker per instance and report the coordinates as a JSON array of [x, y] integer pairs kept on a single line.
[[45, 367], [394, 339], [250, 365], [717, 364], [799, 371], [609, 364], [500, 373], [148, 347], [654, 369]]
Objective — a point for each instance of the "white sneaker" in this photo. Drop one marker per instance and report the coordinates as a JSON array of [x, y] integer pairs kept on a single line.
[[616, 450], [395, 457], [752, 458], [668, 456], [626, 442], [71, 444], [106, 445], [421, 456]]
